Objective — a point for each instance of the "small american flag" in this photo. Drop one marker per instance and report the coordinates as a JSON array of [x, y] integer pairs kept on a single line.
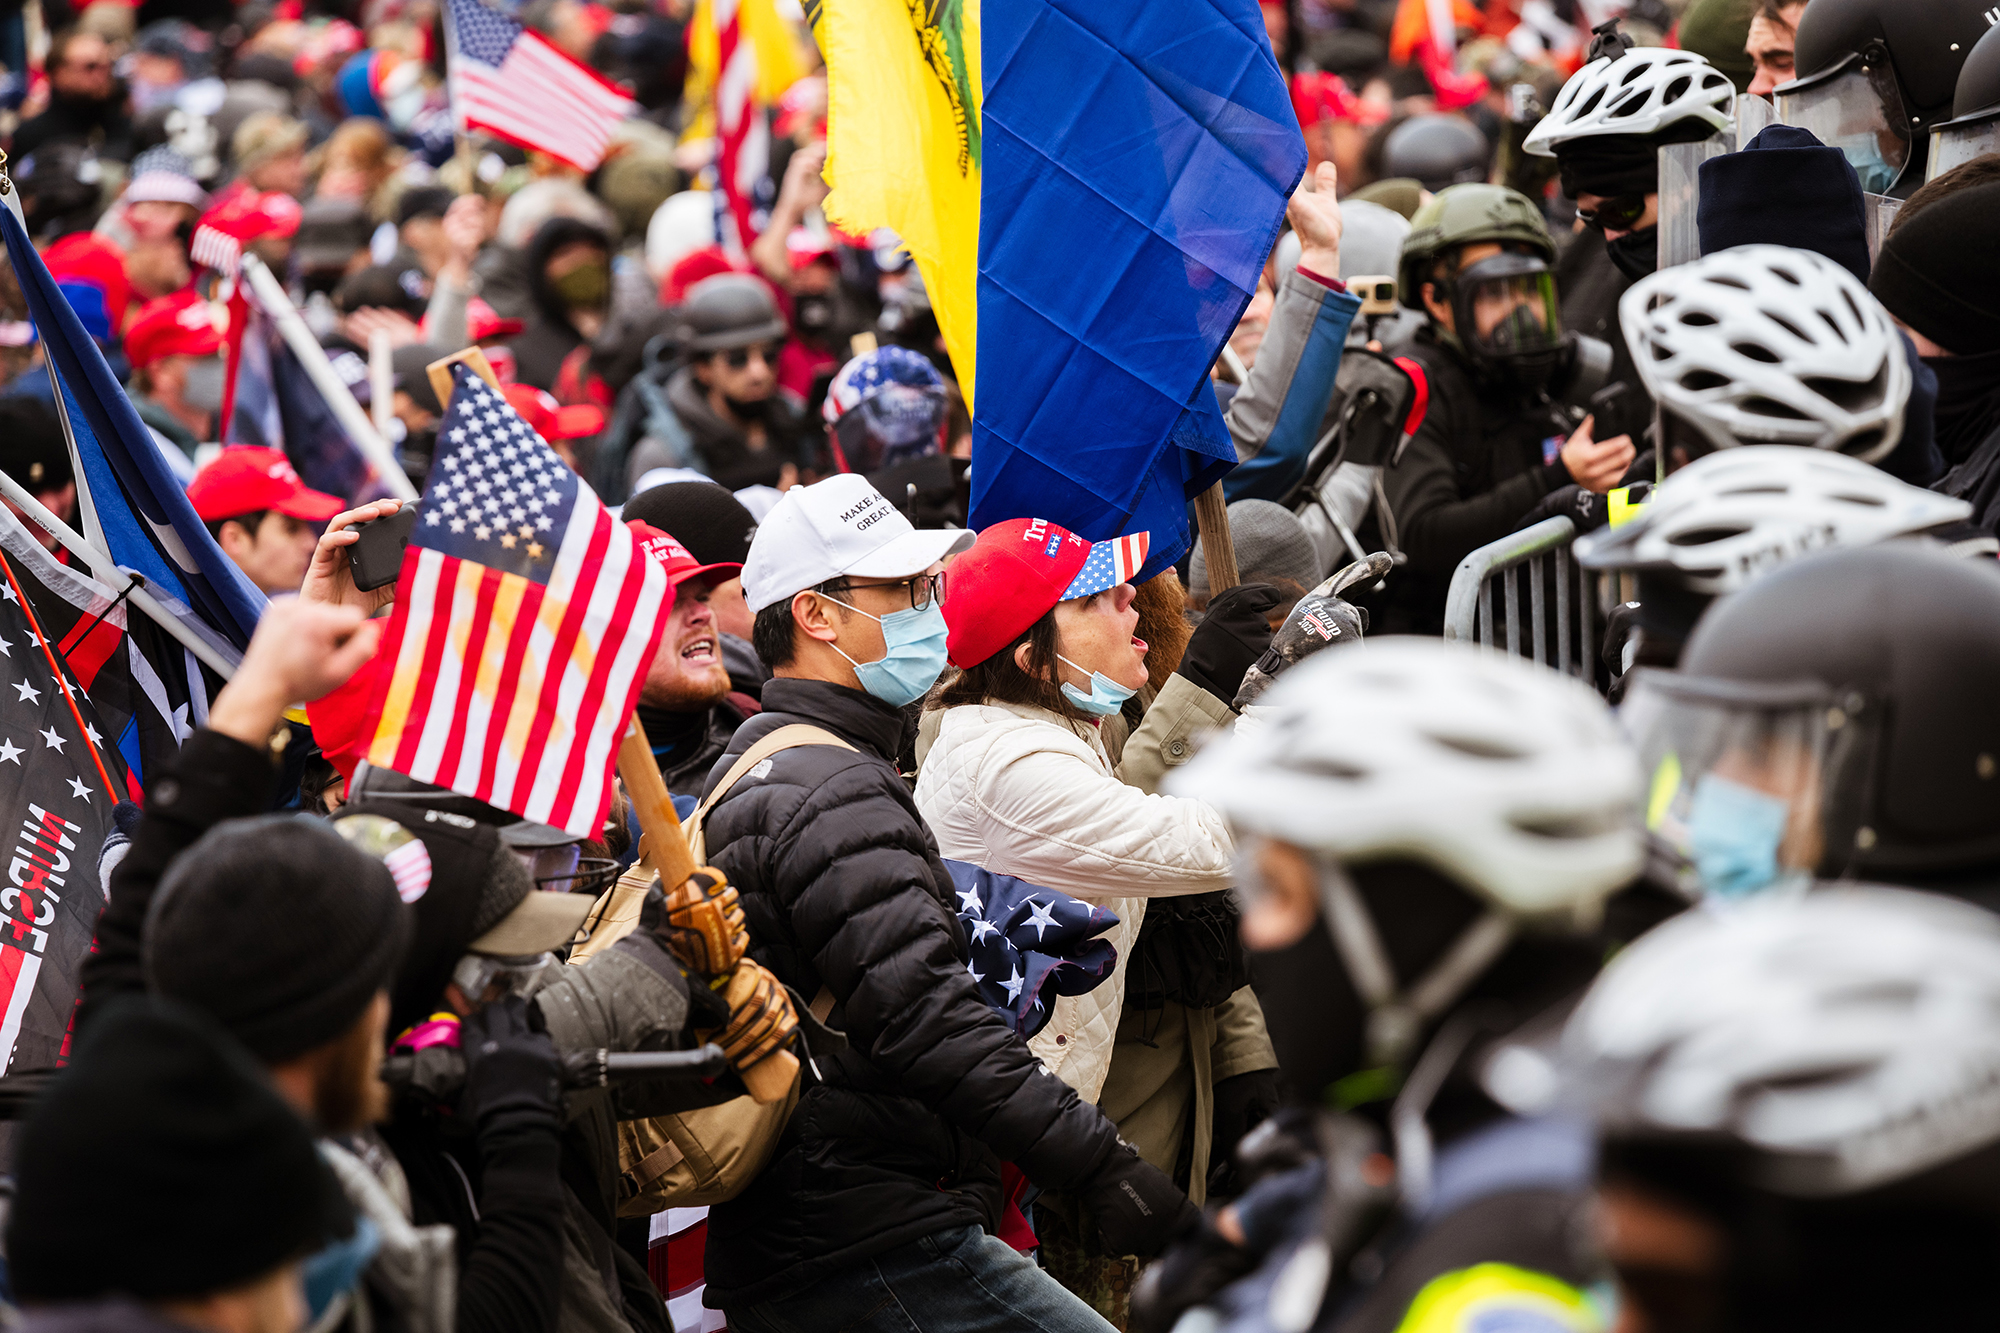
[[526, 618], [513, 83], [1111, 563]]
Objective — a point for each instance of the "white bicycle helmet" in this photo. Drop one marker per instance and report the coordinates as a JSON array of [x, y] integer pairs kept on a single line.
[[1641, 92], [1764, 344], [1507, 777], [1851, 1037], [1730, 516]]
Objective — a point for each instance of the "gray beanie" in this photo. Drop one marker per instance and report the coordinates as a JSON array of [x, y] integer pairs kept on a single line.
[[1270, 544]]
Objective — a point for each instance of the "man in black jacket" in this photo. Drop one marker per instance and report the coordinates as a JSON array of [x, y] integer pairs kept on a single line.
[[888, 1176]]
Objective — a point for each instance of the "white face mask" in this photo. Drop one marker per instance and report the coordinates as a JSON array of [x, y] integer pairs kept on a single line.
[[1106, 695]]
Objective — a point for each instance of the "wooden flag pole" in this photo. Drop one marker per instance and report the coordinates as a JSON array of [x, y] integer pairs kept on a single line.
[[666, 849], [440, 373], [1211, 512]]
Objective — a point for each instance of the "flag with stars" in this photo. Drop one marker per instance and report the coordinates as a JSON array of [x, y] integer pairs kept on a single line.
[[513, 82], [526, 618], [59, 782], [1030, 944]]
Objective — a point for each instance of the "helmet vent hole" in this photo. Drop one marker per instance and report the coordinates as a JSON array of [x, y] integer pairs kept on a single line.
[[1787, 275], [1478, 747], [1788, 327], [1725, 280], [1757, 352], [1704, 536], [1844, 394], [1862, 442], [1677, 89], [1759, 406], [1873, 501], [1570, 827], [1833, 324], [1700, 381], [1853, 309], [1698, 319], [1590, 103], [1632, 73], [1320, 767]]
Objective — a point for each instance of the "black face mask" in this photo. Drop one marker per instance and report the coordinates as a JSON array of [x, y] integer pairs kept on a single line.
[[1636, 253], [1968, 402], [813, 314], [1311, 1012], [749, 409]]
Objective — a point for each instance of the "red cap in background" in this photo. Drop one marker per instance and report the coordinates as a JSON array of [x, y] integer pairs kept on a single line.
[[482, 321], [676, 559], [181, 324], [83, 257], [244, 479], [552, 420]]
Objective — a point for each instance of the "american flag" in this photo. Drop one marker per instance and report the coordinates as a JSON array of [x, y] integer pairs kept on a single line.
[[526, 618], [1111, 563], [744, 154], [513, 83]]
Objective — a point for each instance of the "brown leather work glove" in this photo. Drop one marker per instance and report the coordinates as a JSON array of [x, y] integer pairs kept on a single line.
[[703, 924], [760, 1015]]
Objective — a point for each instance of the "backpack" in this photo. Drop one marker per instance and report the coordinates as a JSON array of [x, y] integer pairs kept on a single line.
[[1378, 404], [709, 1155]]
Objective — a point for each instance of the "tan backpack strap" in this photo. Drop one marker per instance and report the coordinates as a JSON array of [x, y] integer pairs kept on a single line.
[[784, 738], [634, 1179], [822, 1005]]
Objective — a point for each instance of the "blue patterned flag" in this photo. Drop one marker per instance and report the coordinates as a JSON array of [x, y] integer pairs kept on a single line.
[[1030, 944], [1138, 155]]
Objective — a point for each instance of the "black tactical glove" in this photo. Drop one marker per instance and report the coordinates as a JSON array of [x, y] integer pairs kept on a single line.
[[1234, 634], [513, 1077], [1138, 1210], [1192, 1271]]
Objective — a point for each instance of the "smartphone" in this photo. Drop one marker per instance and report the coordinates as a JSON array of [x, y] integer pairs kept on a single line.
[[1620, 409], [1378, 294], [378, 557]]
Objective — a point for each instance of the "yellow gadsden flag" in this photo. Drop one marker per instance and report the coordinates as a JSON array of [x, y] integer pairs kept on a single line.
[[903, 98]]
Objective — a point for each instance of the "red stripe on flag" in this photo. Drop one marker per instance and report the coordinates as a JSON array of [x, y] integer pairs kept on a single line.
[[468, 676], [439, 599], [510, 674], [546, 705], [593, 695]]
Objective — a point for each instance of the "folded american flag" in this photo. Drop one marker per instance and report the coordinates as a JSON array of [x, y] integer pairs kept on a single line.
[[510, 81], [526, 618]]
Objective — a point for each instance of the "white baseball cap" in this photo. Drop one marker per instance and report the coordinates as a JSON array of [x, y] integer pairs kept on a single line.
[[834, 527]]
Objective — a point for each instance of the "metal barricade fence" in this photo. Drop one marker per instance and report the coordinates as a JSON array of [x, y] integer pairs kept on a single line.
[[1539, 557]]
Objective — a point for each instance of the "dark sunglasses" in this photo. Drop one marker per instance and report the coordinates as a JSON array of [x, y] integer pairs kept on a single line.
[[1620, 214], [738, 358]]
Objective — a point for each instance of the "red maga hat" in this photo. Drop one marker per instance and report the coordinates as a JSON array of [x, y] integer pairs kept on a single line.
[[676, 559], [1016, 573], [244, 479]]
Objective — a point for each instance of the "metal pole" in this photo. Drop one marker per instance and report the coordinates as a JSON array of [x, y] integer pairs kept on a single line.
[[107, 572], [271, 295]]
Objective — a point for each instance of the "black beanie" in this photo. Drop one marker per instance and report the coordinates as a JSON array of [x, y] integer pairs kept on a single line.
[[1785, 188], [278, 929], [1939, 271], [161, 1164], [702, 516]]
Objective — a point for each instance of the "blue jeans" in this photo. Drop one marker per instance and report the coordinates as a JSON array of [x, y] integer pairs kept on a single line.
[[962, 1281]]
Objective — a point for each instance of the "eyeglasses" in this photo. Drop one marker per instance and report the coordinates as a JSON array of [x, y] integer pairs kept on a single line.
[[1620, 214], [738, 358], [923, 588]]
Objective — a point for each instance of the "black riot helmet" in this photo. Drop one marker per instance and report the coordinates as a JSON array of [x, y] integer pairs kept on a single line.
[[1887, 658], [1873, 77], [1974, 127], [1438, 150]]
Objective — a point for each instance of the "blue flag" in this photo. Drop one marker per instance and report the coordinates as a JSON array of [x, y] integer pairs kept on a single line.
[[1138, 155], [145, 518]]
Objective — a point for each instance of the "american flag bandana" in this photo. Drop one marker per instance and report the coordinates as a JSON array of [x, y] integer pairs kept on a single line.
[[1111, 563]]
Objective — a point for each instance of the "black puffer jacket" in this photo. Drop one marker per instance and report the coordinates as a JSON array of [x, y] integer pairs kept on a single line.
[[842, 886]]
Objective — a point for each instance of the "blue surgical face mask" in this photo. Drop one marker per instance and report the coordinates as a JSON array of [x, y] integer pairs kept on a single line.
[[915, 657], [1106, 695], [334, 1270], [1733, 833]]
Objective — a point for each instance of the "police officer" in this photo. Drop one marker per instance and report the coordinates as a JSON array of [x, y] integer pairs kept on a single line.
[[1494, 441]]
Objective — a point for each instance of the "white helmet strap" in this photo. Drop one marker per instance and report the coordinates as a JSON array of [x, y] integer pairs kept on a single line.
[[1396, 1018]]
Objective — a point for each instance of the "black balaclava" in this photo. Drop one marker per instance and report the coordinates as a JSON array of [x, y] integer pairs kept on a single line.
[[1968, 402]]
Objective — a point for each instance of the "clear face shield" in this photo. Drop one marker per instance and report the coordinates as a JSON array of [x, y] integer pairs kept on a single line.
[[1748, 783], [896, 423], [565, 869], [1857, 109], [1508, 313], [1957, 142]]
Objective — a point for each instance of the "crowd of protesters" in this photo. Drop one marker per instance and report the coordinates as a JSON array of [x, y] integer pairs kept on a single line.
[[1162, 954]]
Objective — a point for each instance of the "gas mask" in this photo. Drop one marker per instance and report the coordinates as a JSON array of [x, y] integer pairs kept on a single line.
[[1508, 316]]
